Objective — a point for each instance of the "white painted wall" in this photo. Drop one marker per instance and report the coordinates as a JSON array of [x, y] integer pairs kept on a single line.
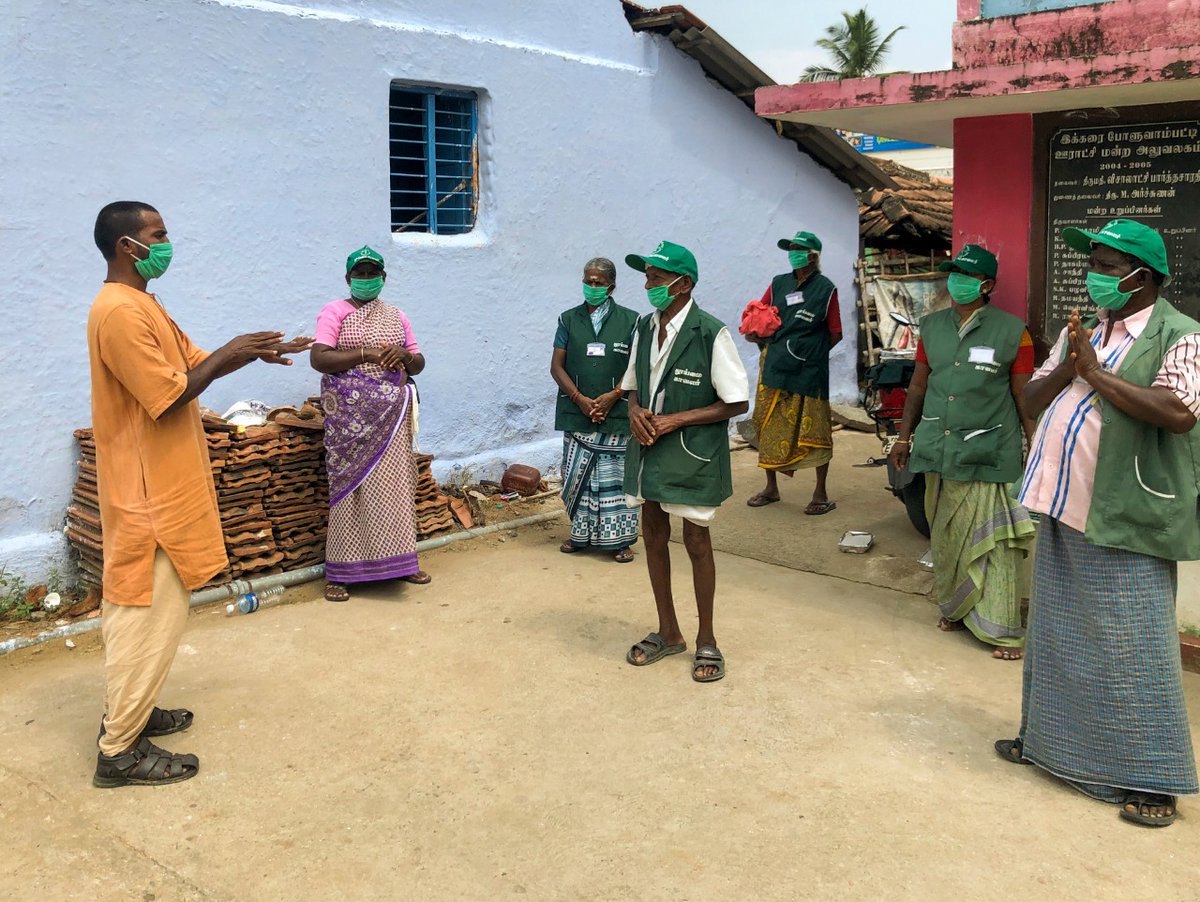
[[259, 130]]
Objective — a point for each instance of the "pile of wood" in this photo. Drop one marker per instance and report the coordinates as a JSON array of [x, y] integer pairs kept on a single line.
[[273, 496], [433, 508]]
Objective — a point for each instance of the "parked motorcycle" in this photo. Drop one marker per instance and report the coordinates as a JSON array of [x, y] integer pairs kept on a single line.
[[885, 395]]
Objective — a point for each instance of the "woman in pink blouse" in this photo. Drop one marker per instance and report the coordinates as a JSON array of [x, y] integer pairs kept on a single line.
[[367, 351]]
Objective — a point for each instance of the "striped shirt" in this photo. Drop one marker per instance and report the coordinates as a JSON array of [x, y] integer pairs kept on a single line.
[[1062, 461]]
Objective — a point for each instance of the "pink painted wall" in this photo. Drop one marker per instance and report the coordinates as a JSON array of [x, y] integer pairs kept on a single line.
[[1076, 33], [993, 198]]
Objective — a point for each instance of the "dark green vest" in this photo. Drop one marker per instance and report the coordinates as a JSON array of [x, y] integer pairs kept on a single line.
[[1145, 497], [970, 429], [690, 465], [595, 374], [798, 353]]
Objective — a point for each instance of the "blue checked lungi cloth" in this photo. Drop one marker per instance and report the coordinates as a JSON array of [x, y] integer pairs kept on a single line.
[[1102, 704], [593, 470]]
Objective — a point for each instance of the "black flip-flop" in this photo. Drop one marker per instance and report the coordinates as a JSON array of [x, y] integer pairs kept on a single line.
[[1148, 800], [1011, 750], [759, 501], [817, 508], [654, 647], [708, 656]]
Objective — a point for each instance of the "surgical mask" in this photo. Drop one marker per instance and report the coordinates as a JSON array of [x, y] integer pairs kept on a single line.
[[366, 289], [156, 263], [595, 294], [964, 289], [1105, 291], [798, 259], [659, 296]]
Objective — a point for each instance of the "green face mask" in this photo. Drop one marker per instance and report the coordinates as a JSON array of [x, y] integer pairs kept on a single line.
[[366, 289], [964, 289], [798, 259], [1105, 291], [156, 263], [659, 296], [595, 295]]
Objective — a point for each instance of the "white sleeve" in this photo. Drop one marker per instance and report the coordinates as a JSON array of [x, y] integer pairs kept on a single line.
[[629, 380], [728, 373], [1180, 371], [1054, 359]]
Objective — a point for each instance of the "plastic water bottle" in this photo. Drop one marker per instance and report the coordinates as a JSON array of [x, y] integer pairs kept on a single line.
[[252, 601]]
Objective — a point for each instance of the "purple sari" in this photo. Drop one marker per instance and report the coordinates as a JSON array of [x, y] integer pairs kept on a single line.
[[368, 454]]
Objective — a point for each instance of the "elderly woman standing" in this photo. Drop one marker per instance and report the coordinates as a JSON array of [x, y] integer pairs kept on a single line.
[[367, 351], [963, 425], [591, 354]]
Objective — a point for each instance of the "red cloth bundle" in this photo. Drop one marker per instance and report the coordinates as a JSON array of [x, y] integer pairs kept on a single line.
[[760, 318]]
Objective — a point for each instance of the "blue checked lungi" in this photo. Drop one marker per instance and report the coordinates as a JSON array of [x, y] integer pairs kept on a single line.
[[593, 470], [1102, 704]]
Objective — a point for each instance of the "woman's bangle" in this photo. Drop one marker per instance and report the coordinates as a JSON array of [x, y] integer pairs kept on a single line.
[[904, 441], [363, 353]]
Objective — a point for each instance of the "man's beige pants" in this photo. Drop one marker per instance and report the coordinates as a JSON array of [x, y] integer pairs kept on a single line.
[[139, 647]]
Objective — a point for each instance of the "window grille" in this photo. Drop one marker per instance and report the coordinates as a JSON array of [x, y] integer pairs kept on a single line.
[[434, 160]]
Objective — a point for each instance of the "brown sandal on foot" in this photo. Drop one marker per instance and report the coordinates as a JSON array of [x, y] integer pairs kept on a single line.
[[420, 578], [336, 592], [144, 765]]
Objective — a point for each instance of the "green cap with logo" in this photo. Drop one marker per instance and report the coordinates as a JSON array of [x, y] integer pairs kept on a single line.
[[800, 239], [671, 257], [974, 259], [1125, 235], [363, 253]]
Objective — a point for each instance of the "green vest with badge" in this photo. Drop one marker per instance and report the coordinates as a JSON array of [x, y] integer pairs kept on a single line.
[[690, 465], [1145, 497], [798, 353], [596, 364], [970, 430]]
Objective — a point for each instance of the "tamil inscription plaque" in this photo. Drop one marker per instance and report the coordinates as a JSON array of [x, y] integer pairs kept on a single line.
[[1148, 172]]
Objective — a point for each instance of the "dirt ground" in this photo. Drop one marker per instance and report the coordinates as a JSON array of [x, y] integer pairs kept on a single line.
[[483, 737]]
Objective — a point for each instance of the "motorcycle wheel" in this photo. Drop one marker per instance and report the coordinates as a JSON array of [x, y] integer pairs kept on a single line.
[[913, 496]]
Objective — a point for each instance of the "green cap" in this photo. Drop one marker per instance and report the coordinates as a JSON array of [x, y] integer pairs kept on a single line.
[[804, 239], [974, 259], [363, 253], [1127, 236], [671, 257]]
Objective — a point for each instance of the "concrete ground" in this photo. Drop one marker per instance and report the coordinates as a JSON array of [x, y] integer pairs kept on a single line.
[[483, 737]]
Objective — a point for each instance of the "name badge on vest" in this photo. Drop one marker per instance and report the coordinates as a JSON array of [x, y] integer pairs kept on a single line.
[[981, 354], [796, 297], [595, 349]]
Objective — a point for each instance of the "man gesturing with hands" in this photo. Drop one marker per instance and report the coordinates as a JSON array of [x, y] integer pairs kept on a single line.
[[158, 506]]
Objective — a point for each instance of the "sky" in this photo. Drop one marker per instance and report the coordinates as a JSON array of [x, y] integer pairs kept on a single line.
[[779, 35]]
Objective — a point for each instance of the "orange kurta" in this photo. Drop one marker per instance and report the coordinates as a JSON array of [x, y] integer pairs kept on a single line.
[[154, 476]]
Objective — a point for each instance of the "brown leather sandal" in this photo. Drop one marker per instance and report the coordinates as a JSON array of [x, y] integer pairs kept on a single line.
[[144, 765]]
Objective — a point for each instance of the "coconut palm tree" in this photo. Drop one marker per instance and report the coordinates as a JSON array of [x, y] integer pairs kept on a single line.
[[854, 47]]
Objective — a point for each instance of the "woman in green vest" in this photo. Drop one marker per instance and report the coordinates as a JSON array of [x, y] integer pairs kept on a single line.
[[973, 361], [591, 353], [792, 415]]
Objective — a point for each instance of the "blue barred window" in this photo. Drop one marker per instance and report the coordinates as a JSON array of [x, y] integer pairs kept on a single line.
[[434, 160]]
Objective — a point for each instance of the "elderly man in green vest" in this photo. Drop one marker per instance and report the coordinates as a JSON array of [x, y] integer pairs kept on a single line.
[[973, 363], [684, 383], [792, 415], [1114, 471]]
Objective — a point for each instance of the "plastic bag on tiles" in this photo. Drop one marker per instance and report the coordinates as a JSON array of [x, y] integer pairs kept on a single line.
[[247, 413]]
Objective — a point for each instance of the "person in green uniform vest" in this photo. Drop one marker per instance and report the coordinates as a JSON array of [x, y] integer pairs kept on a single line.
[[973, 362], [1115, 473], [591, 354], [684, 383], [792, 415]]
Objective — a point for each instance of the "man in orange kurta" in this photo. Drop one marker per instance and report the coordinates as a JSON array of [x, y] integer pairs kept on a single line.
[[158, 506]]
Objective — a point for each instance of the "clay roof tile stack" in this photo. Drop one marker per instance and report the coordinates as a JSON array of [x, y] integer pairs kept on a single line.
[[272, 492]]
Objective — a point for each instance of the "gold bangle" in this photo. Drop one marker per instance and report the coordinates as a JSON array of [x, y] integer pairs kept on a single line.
[[363, 353]]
